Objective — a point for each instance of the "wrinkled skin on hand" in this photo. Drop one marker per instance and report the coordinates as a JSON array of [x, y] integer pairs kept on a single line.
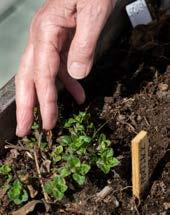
[[62, 41]]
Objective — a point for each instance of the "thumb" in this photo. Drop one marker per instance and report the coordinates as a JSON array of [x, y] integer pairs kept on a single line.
[[91, 18]]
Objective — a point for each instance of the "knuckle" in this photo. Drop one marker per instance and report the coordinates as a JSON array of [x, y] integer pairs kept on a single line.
[[39, 80], [43, 77], [44, 28], [37, 22]]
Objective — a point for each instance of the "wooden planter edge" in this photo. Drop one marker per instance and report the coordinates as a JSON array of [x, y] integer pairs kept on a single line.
[[7, 111]]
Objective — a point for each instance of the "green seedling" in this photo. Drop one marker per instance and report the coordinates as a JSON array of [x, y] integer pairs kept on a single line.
[[82, 147], [35, 126], [80, 174], [71, 156], [6, 177], [56, 187], [17, 193], [77, 169], [5, 169], [105, 155], [106, 161], [56, 154]]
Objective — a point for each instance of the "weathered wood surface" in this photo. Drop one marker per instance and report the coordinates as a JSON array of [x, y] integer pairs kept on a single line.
[[140, 159], [7, 111]]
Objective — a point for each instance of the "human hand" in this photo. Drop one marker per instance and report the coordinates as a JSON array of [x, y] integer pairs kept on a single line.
[[62, 40]]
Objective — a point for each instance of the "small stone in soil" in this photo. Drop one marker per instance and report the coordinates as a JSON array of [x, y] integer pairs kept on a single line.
[[163, 87]]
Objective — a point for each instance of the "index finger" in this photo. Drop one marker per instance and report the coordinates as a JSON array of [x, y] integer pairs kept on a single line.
[[46, 64], [25, 93]]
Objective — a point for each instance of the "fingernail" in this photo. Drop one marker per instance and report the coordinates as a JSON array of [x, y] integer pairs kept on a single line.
[[78, 70]]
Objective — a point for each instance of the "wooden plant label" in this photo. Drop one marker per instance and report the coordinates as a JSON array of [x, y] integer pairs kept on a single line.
[[140, 168]]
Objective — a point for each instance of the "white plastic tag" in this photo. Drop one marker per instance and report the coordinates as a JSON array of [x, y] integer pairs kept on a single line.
[[139, 13]]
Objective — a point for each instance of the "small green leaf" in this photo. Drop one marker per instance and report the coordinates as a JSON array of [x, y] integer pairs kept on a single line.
[[79, 128], [64, 140], [60, 183], [79, 179], [44, 146], [103, 142], [58, 150], [35, 126], [113, 162], [57, 158], [74, 162], [84, 169], [69, 123], [90, 126], [80, 117], [57, 194], [80, 142], [17, 194], [106, 153], [104, 167], [23, 198], [81, 151], [15, 189], [49, 187], [56, 187], [106, 160], [56, 154], [64, 172], [76, 143], [85, 139], [5, 169]]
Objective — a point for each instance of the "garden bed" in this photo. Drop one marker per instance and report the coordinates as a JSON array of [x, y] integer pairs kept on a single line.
[[127, 91]]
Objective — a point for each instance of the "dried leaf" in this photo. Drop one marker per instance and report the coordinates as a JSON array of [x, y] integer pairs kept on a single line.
[[29, 155], [14, 153], [29, 207], [45, 167], [49, 138], [24, 178], [32, 191]]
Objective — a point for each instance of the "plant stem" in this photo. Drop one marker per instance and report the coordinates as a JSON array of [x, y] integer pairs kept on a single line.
[[46, 197], [99, 129]]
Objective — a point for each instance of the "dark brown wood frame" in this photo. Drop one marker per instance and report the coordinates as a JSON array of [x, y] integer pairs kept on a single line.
[[7, 111]]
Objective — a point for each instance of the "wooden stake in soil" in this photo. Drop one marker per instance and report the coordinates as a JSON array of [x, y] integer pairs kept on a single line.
[[140, 176]]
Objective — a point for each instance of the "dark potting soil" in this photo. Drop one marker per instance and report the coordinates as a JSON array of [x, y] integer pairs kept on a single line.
[[129, 88]]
